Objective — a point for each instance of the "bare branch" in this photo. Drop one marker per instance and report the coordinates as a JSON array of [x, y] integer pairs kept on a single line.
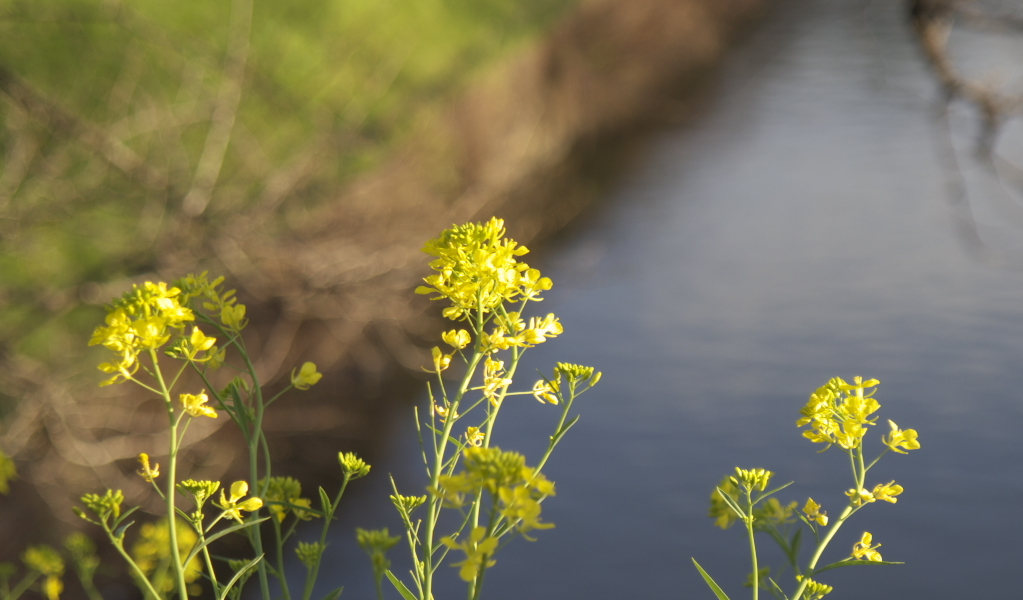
[[63, 122]]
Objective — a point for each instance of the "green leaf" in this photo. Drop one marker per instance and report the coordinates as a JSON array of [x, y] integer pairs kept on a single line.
[[771, 492], [564, 430], [326, 503], [731, 503], [119, 533], [124, 515], [714, 587], [850, 563], [776, 589], [398, 585], [241, 572], [797, 539], [198, 547], [335, 594]]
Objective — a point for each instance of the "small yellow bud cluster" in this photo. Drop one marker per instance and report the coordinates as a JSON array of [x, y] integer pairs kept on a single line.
[[353, 466], [752, 479], [309, 553], [283, 495], [376, 543], [814, 590], [149, 473]]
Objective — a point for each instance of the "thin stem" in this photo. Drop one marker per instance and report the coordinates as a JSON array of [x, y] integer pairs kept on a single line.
[[752, 545], [172, 517]]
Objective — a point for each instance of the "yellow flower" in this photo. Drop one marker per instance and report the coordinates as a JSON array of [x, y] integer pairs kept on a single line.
[[306, 377], [813, 511], [898, 438], [860, 497], [441, 361], [148, 473], [887, 492], [478, 550], [494, 380], [457, 339], [283, 494], [546, 391], [195, 405], [474, 436], [863, 550], [232, 506]]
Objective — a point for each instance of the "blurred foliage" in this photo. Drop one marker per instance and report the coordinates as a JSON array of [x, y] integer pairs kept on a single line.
[[330, 88]]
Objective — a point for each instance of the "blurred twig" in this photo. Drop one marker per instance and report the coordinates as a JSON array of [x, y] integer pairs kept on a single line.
[[61, 121], [224, 112]]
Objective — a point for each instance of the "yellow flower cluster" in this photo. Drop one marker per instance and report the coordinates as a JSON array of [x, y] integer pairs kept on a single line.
[[141, 320], [47, 562], [284, 494], [214, 301], [477, 269], [516, 487], [478, 548], [152, 553], [839, 413]]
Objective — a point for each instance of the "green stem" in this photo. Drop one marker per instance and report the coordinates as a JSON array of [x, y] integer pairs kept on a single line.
[[440, 450], [752, 546], [172, 517], [820, 550], [327, 518]]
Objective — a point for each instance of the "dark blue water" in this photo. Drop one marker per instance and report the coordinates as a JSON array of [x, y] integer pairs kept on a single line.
[[806, 226]]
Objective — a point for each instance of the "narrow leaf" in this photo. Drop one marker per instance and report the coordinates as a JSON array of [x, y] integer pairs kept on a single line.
[[119, 533], [216, 536], [714, 587], [241, 572], [731, 503], [398, 585], [335, 594], [850, 563]]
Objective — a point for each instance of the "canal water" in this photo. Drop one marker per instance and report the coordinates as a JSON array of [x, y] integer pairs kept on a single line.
[[821, 218]]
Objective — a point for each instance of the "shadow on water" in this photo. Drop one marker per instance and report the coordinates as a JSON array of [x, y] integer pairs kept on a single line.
[[799, 230]]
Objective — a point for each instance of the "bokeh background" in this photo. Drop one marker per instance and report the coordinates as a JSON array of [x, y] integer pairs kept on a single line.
[[758, 196]]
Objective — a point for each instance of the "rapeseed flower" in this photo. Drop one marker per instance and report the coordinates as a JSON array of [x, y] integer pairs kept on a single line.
[[306, 377], [478, 548], [195, 405], [863, 550], [898, 438], [149, 473], [477, 270], [813, 511], [232, 507]]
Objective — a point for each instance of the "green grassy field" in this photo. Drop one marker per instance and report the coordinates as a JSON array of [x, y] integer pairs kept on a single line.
[[310, 93]]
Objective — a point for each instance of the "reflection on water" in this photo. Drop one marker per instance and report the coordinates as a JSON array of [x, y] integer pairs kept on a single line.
[[799, 230]]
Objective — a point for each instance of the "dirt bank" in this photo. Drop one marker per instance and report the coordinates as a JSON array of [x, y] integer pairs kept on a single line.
[[532, 143]]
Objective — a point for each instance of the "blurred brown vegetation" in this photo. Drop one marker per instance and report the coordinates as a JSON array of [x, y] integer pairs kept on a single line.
[[327, 272]]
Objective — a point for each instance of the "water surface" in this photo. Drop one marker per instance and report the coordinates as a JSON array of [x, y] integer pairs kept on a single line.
[[808, 225]]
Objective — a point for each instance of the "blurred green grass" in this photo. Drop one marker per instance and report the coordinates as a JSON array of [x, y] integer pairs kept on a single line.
[[331, 89]]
